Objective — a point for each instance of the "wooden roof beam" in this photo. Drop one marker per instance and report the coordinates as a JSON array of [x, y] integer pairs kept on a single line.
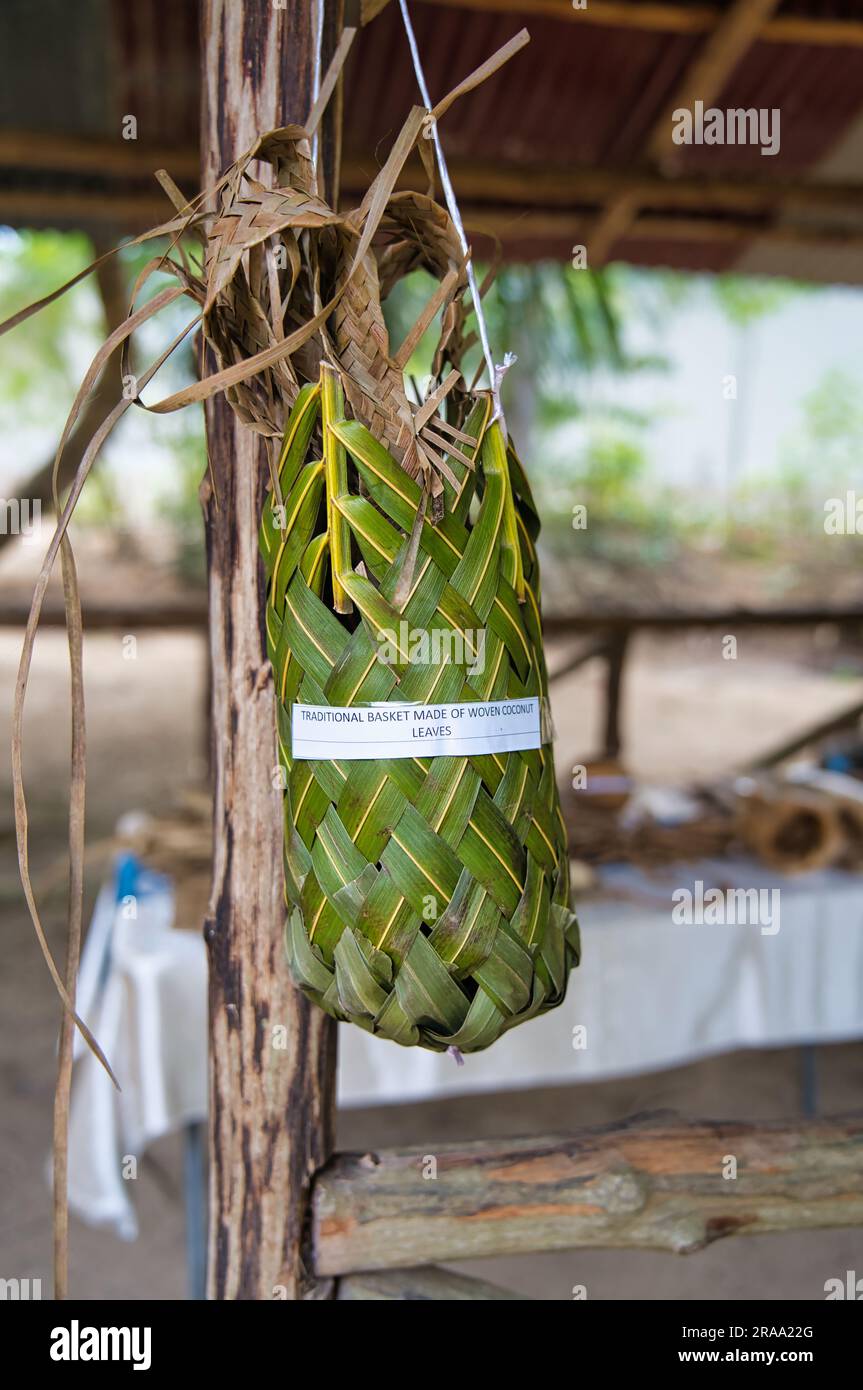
[[511, 225], [22, 207], [559, 186], [550, 184], [659, 18], [509, 222], [55, 152]]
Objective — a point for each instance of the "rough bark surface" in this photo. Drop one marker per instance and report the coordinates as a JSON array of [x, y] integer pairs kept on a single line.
[[420, 1285], [659, 1185], [272, 1056]]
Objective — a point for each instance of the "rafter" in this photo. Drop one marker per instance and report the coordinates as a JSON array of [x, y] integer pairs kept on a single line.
[[659, 18], [41, 150], [546, 225], [550, 184], [510, 221], [554, 185]]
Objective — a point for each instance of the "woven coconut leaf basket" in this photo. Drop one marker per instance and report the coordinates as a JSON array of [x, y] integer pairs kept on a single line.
[[427, 895]]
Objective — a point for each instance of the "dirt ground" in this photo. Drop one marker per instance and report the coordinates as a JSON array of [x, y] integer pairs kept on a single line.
[[688, 712]]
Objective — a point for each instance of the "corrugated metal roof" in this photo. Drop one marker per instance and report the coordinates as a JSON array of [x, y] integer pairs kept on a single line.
[[590, 96], [579, 96]]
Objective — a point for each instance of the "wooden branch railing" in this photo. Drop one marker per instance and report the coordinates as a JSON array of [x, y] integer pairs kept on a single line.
[[190, 610], [419, 1284], [649, 1184]]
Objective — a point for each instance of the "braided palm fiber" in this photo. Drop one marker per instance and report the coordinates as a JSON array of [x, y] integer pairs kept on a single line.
[[273, 254], [425, 238], [428, 897], [374, 384], [261, 267], [420, 234]]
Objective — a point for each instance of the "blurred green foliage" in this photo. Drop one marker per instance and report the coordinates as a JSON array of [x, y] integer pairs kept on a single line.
[[40, 365], [577, 334]]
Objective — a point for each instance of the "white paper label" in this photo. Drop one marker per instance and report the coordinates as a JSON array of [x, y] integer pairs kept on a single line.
[[414, 731]]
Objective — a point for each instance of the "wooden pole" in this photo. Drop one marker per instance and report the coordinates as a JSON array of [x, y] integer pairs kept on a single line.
[[272, 1056], [616, 660], [659, 1185]]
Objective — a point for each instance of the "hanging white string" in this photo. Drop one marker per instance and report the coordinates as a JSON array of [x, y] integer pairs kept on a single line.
[[316, 74], [495, 373]]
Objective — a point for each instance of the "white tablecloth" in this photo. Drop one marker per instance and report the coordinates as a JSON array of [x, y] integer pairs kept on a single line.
[[653, 994], [648, 994], [143, 992]]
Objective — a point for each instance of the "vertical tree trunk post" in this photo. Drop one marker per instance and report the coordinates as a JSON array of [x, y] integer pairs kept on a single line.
[[616, 657], [272, 1056]]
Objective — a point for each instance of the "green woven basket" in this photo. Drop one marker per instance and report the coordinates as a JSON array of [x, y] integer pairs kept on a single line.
[[428, 896]]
